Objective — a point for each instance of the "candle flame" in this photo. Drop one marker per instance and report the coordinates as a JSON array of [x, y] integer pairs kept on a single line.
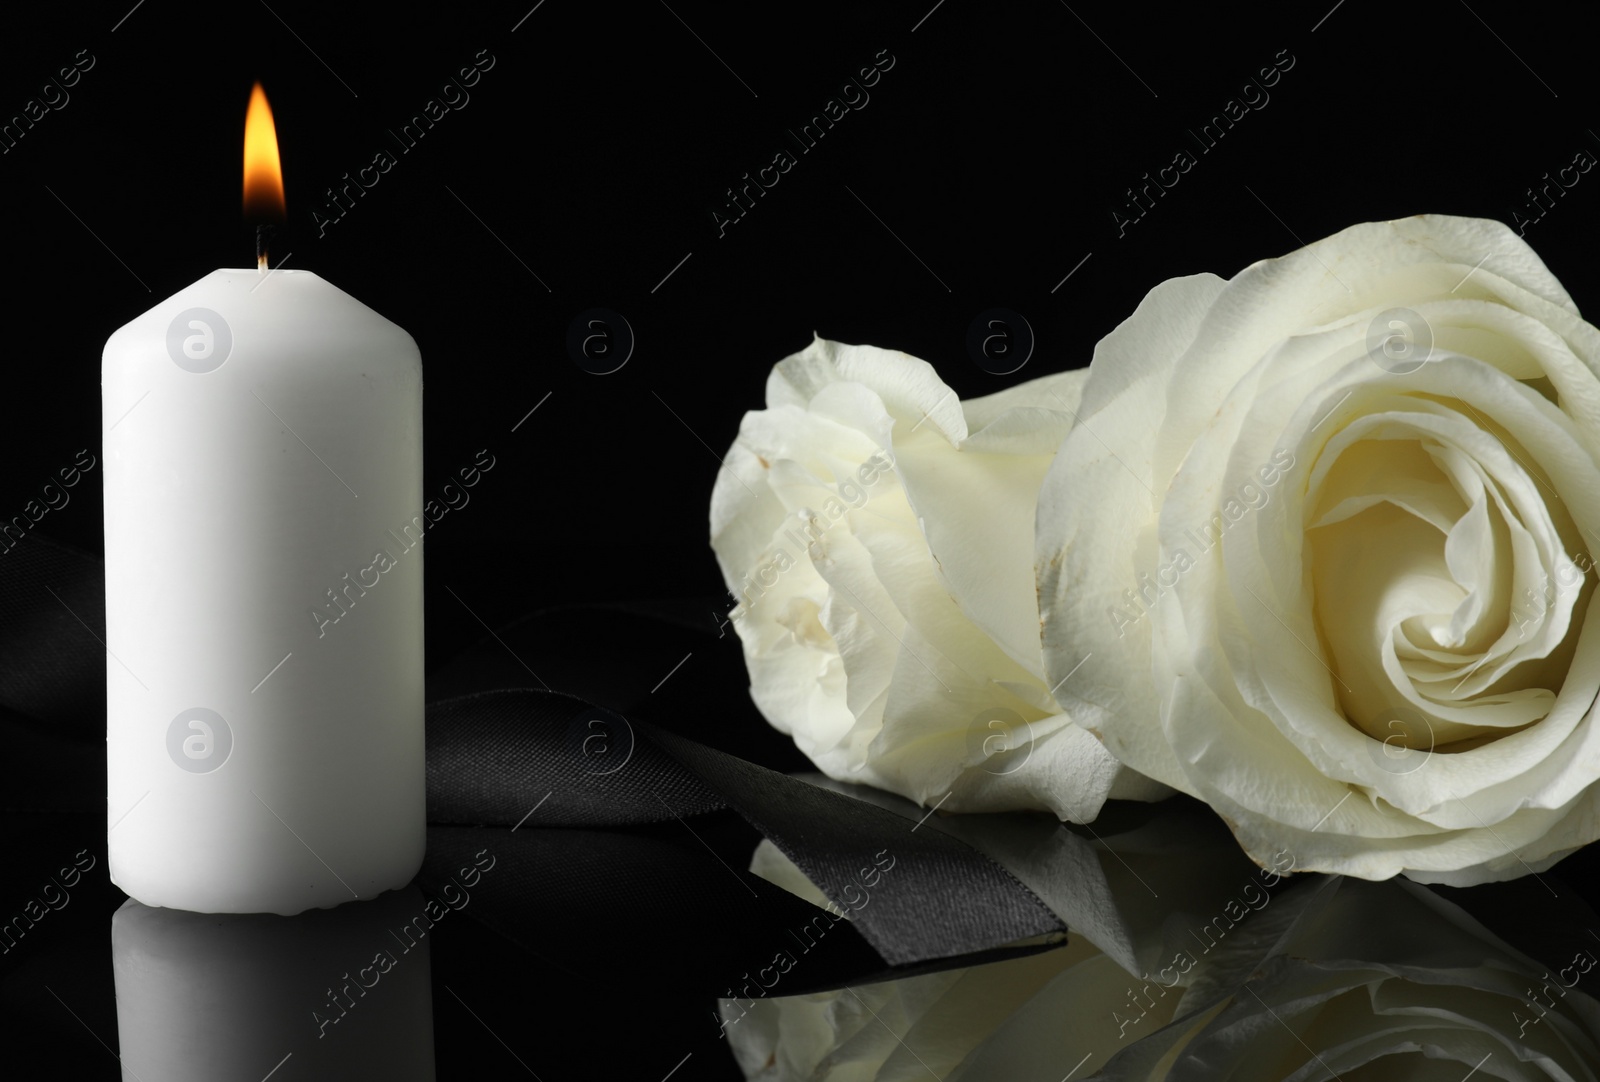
[[263, 173]]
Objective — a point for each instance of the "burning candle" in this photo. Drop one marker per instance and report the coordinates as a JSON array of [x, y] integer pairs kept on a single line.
[[262, 435]]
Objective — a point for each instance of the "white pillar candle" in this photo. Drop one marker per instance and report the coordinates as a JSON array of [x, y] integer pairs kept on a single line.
[[264, 690]]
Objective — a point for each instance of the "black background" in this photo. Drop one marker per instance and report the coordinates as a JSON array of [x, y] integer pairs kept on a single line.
[[986, 166]]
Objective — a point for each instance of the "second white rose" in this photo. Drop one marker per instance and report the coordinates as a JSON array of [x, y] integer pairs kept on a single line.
[[876, 534]]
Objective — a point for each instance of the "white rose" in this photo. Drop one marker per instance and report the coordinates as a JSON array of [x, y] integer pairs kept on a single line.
[[876, 534], [1330, 582]]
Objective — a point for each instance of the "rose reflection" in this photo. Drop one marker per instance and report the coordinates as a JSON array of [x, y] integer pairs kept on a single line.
[[1187, 964], [330, 994]]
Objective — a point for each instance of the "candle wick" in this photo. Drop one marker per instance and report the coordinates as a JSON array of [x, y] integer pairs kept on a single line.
[[264, 233]]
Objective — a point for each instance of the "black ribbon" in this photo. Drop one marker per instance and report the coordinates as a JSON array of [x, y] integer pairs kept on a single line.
[[620, 844]]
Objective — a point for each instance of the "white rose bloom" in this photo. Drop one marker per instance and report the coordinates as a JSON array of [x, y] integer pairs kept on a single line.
[[877, 535], [1332, 581]]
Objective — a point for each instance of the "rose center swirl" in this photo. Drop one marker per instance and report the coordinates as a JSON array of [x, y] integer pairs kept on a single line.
[[1449, 580]]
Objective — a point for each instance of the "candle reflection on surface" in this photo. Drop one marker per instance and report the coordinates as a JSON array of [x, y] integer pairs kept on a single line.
[[329, 994]]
